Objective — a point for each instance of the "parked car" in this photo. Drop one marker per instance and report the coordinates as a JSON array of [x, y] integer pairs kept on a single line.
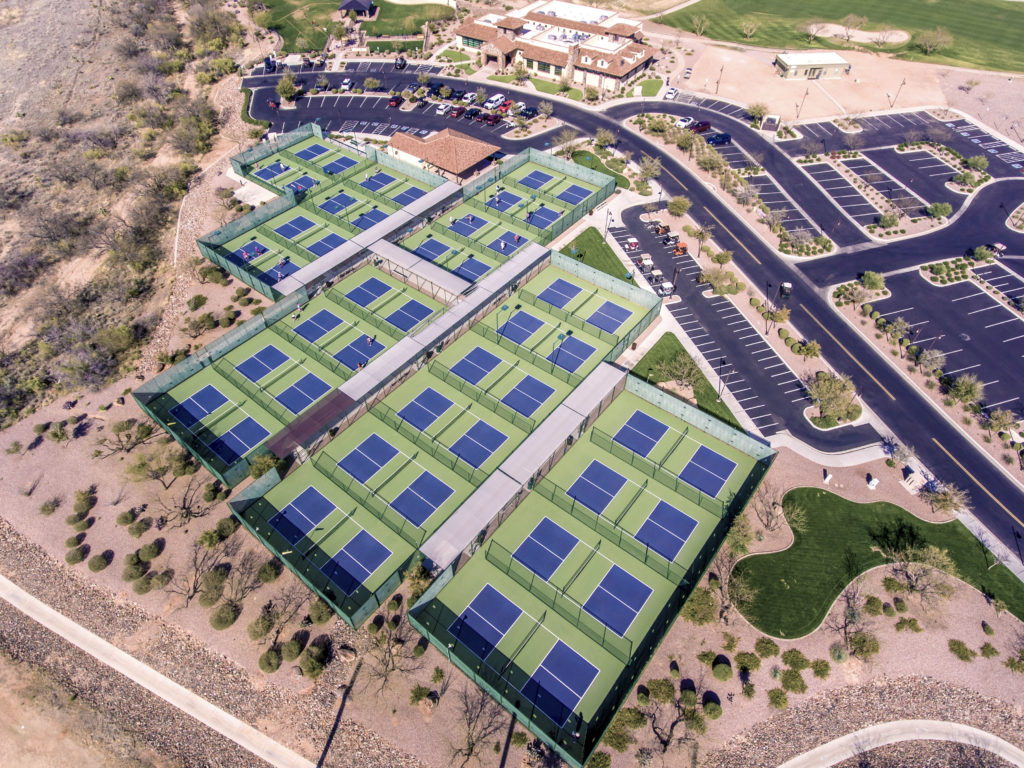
[[494, 101], [671, 93], [719, 139], [443, 109], [688, 73], [469, 97], [457, 111], [665, 289], [471, 113], [632, 244], [685, 122], [518, 107], [395, 101], [701, 126], [528, 113], [346, 84], [457, 95], [493, 119]]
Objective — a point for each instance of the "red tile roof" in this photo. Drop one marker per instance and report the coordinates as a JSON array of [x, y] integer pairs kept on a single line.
[[448, 150]]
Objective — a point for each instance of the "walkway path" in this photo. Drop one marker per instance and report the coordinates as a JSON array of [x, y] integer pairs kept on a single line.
[[874, 736], [227, 725]]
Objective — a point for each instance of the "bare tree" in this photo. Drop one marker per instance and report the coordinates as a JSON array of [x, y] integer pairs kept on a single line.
[[933, 40], [392, 651], [882, 37], [669, 708], [846, 617], [153, 466], [749, 25], [186, 506], [852, 22], [679, 369], [931, 360], [481, 719], [767, 505], [244, 578], [733, 589], [813, 29], [565, 140], [188, 581], [124, 436], [700, 24]]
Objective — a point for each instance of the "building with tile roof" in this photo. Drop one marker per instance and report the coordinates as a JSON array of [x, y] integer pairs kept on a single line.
[[450, 152]]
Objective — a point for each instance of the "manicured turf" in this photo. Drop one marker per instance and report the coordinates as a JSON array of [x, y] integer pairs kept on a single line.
[[590, 160], [590, 245], [986, 33], [455, 56], [501, 78], [546, 86], [796, 587], [301, 23], [707, 396], [650, 88], [404, 19], [396, 45]]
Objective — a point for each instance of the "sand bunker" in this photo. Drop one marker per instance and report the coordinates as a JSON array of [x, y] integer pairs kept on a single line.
[[892, 36]]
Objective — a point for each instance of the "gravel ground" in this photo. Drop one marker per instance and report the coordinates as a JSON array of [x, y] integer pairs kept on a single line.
[[926, 754]]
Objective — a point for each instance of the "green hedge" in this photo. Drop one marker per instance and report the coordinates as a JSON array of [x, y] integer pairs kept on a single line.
[[247, 94]]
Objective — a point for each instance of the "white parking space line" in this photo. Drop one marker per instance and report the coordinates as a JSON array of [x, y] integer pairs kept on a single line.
[[959, 370], [984, 309], [1003, 402], [1014, 338], [970, 296], [1001, 322]]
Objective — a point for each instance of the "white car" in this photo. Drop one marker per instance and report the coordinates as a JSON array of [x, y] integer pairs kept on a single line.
[[518, 107], [443, 109], [671, 93], [469, 98], [346, 84], [684, 122], [494, 101]]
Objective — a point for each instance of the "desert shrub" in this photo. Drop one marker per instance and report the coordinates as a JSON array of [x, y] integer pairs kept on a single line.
[[418, 694], [84, 501], [700, 607], [212, 587], [821, 668], [863, 645], [989, 651], [97, 563], [76, 555], [270, 660], [987, 628], [795, 659], [899, 604], [49, 506], [792, 681], [722, 671], [143, 585], [778, 698], [766, 647], [151, 551], [838, 653], [126, 518], [140, 526], [418, 650], [225, 615], [74, 541], [313, 661], [872, 605], [133, 567], [747, 661], [320, 612], [893, 586], [269, 571], [290, 651], [260, 626], [888, 610], [227, 526], [908, 623], [84, 525], [961, 650], [712, 710], [707, 657], [519, 739], [600, 759], [160, 580]]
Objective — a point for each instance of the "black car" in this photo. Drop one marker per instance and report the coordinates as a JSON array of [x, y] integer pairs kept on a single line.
[[435, 93], [528, 113], [457, 95], [718, 139], [472, 112]]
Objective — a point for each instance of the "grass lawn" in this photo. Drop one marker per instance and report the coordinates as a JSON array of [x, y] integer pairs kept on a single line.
[[597, 254], [986, 33], [590, 160], [404, 19], [501, 78], [301, 23], [396, 45], [650, 88], [796, 587], [546, 86], [454, 56], [707, 397]]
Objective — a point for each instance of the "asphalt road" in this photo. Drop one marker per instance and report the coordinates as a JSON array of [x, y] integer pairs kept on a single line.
[[996, 499]]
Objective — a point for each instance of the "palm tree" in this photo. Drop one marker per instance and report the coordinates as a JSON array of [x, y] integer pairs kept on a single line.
[[702, 235]]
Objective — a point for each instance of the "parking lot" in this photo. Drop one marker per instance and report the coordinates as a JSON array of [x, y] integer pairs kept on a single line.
[[896, 192], [985, 143], [978, 333], [845, 195], [1001, 277], [773, 196], [920, 172], [366, 67]]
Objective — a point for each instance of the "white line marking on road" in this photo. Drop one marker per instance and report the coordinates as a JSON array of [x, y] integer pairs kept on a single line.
[[958, 370]]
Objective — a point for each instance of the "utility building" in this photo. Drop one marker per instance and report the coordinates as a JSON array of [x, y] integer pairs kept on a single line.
[[811, 65]]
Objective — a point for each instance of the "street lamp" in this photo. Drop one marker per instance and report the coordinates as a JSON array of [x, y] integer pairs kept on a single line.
[[768, 306], [608, 222], [721, 362]]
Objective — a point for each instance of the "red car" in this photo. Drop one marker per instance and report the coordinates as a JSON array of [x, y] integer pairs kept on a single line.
[[493, 119], [701, 127], [395, 101], [505, 106], [457, 111]]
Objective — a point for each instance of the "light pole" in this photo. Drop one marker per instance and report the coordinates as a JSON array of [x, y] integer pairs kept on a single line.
[[892, 102], [721, 362], [768, 306], [800, 106], [608, 222], [718, 82]]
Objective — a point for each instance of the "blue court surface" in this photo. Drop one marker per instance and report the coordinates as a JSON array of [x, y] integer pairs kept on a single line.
[[250, 251], [320, 324], [302, 183], [424, 409], [311, 152], [407, 195], [359, 352], [609, 316], [507, 243], [528, 395], [571, 353], [338, 203], [356, 562], [275, 169], [472, 269], [536, 179], [199, 406], [502, 201], [325, 245], [560, 293], [543, 217], [305, 512], [480, 441], [468, 224], [263, 362], [596, 487], [292, 229], [341, 164], [485, 621], [707, 471], [617, 600], [666, 530], [423, 496], [303, 393], [559, 683], [279, 271], [430, 249], [640, 433], [368, 291], [241, 439], [475, 365], [409, 315], [546, 548], [521, 326], [373, 216], [368, 457], [378, 181], [574, 195]]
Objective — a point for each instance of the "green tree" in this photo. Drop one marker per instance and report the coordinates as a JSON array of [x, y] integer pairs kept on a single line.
[[679, 369], [371, 84], [931, 360], [967, 388], [933, 40], [481, 95], [810, 349], [1001, 420], [603, 138], [520, 73], [423, 78], [834, 394], [650, 168], [977, 162], [700, 607], [873, 281], [679, 205], [545, 108], [286, 88], [757, 111], [939, 210], [947, 497], [888, 220], [320, 612]]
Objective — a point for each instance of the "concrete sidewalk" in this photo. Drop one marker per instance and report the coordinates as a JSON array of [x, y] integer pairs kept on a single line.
[[227, 725]]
